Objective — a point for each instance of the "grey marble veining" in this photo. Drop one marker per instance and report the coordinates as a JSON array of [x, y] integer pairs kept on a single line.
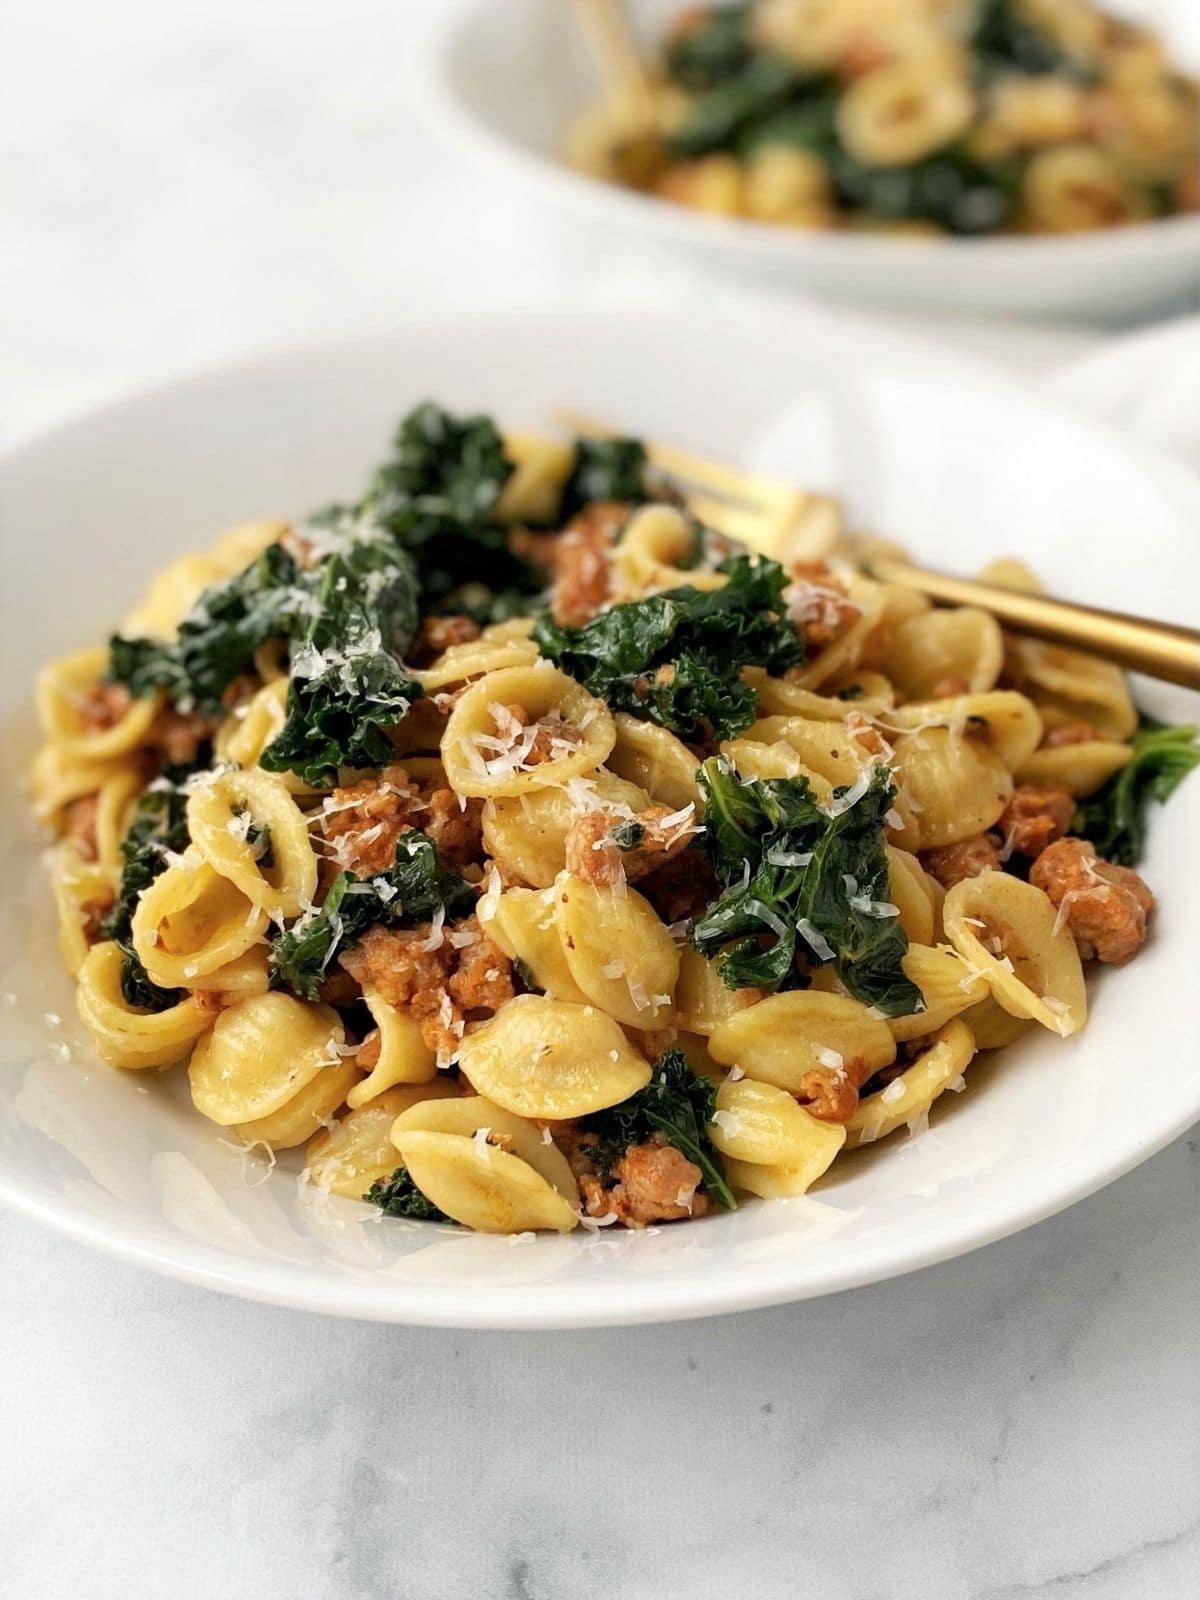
[[188, 182]]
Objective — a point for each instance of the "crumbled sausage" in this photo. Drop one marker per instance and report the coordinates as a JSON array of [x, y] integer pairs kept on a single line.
[[440, 633], [369, 1051], [442, 987], [655, 1182], [577, 559], [550, 733], [178, 735], [1066, 733], [1036, 815], [79, 825], [1105, 906], [363, 821], [831, 1093], [593, 854], [951, 863], [817, 605]]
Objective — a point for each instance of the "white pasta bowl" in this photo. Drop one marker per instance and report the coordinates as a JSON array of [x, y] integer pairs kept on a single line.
[[960, 464], [506, 82]]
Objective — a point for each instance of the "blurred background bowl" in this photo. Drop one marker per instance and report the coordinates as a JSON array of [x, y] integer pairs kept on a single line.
[[507, 81]]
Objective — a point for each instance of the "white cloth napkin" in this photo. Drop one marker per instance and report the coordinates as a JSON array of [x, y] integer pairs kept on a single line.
[[1148, 382]]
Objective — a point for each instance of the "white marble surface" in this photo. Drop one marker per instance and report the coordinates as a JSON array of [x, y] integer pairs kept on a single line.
[[186, 182]]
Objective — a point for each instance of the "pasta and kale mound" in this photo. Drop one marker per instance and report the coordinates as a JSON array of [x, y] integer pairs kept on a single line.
[[964, 117], [534, 858]]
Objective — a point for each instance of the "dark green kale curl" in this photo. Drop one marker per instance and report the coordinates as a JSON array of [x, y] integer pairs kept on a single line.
[[799, 879], [675, 658]]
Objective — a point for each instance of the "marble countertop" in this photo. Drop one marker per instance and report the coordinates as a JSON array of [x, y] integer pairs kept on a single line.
[[183, 184]]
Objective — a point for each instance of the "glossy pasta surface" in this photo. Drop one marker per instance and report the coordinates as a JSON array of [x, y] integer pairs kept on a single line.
[[527, 857]]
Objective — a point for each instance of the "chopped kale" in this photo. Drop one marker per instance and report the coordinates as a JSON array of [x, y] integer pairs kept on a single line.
[[398, 1196], [348, 682], [605, 469], [675, 658], [1005, 41], [949, 187], [712, 46], [218, 636], [1115, 818], [436, 496], [790, 871], [678, 1104], [417, 885], [158, 826], [138, 989], [727, 114]]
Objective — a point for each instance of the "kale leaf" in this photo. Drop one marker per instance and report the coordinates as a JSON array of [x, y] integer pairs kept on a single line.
[[347, 682], [791, 870], [436, 496], [1115, 817], [138, 988], [674, 658], [416, 886], [605, 469], [727, 114], [218, 636], [711, 46], [398, 1196], [158, 826], [678, 1104]]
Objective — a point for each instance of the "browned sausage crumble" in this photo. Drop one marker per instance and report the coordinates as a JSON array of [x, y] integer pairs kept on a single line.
[[1105, 906]]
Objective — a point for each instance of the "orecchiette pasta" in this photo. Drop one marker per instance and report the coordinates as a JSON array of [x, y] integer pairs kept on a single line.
[[551, 1058], [260, 1054], [610, 876], [192, 920], [911, 1094], [556, 732], [1009, 933]]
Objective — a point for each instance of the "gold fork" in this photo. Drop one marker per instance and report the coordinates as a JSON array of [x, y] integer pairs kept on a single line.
[[770, 515]]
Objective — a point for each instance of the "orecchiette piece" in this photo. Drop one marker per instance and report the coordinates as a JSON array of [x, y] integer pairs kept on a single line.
[[948, 986], [763, 1124], [260, 1054], [221, 813], [553, 1060], [61, 688], [307, 1110], [482, 1186], [525, 929], [786, 1036], [126, 1036], [655, 760], [467, 1114], [932, 1072], [404, 1057], [527, 834], [482, 747], [1009, 932], [191, 920], [617, 950], [357, 1151]]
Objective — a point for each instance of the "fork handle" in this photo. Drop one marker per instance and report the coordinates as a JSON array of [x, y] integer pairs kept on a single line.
[[1159, 649]]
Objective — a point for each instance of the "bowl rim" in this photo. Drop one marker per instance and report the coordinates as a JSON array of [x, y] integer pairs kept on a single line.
[[648, 1299], [436, 95]]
